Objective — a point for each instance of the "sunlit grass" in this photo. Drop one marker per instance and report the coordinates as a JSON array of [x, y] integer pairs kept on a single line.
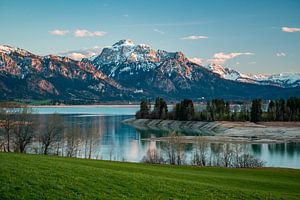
[[38, 177]]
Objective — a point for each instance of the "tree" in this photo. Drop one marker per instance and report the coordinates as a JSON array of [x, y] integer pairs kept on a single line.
[[153, 156], [73, 141], [280, 109], [271, 111], [174, 149], [160, 109], [52, 133], [7, 122], [256, 110], [24, 128], [210, 113], [145, 108], [185, 110], [90, 140], [200, 153], [293, 109], [227, 110]]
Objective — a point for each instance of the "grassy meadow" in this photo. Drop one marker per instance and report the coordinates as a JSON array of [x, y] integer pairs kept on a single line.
[[24, 176]]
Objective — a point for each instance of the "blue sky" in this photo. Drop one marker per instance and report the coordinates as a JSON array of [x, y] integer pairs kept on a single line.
[[245, 35]]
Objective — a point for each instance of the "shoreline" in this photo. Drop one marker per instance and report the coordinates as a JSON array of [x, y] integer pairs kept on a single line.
[[81, 106], [222, 131]]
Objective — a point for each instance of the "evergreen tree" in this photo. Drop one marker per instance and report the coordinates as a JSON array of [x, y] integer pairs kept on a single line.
[[145, 108], [160, 109], [256, 110], [226, 111], [185, 110], [271, 111]]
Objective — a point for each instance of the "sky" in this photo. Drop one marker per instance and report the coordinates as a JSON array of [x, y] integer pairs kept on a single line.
[[252, 36]]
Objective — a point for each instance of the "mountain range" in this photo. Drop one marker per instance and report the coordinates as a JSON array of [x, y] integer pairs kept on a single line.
[[286, 80], [128, 72]]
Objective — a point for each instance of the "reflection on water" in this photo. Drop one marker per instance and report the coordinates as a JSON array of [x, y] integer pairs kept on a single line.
[[110, 139]]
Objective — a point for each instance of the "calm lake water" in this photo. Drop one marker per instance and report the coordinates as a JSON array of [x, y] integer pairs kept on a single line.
[[113, 140]]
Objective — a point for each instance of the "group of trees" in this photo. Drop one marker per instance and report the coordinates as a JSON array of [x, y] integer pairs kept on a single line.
[[16, 127], [160, 110], [278, 110], [218, 110], [181, 111], [173, 151], [22, 131], [281, 110]]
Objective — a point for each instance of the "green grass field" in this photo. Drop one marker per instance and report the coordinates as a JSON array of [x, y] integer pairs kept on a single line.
[[47, 177]]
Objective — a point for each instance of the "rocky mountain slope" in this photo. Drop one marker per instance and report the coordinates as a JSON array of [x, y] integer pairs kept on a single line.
[[172, 75], [124, 71], [24, 75]]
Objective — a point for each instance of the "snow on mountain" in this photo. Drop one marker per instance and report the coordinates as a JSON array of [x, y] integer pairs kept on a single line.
[[125, 56], [130, 71], [225, 73], [126, 51], [8, 49], [285, 80]]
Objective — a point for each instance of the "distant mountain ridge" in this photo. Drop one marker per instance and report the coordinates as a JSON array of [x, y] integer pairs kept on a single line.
[[125, 71], [286, 80]]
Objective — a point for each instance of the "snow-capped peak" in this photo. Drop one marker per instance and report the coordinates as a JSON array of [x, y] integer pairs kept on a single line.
[[8, 49], [128, 58], [282, 79], [124, 42], [5, 48], [126, 51]]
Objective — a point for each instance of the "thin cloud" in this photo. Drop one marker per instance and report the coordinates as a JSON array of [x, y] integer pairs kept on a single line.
[[59, 32], [126, 15], [194, 37], [221, 58], [159, 31], [290, 30], [86, 33], [82, 53], [280, 54], [76, 56], [198, 61]]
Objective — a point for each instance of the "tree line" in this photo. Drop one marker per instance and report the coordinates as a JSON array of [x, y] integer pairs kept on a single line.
[[173, 151], [20, 132], [218, 110]]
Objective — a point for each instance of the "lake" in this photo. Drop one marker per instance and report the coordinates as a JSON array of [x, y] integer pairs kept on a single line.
[[113, 140]]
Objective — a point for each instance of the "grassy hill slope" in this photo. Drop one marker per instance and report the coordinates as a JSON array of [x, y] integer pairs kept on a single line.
[[24, 176]]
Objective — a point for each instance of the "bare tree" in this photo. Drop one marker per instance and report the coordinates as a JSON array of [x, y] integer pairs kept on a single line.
[[174, 148], [23, 129], [111, 149], [216, 150], [227, 155], [73, 141], [90, 140], [244, 159], [200, 154], [153, 156], [249, 161], [7, 121], [53, 131]]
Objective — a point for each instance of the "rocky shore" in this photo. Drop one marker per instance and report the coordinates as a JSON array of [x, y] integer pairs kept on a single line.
[[223, 131]]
